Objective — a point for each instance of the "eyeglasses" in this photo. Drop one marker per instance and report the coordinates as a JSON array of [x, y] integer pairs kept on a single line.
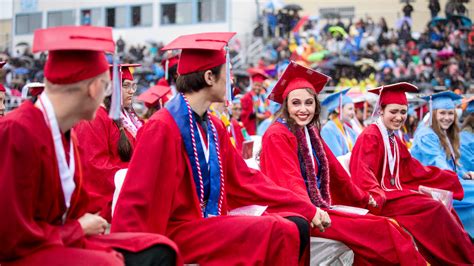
[[130, 87]]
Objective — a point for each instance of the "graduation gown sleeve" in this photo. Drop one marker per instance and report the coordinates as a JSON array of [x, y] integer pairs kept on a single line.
[[279, 161], [97, 141], [331, 135], [247, 186], [239, 137], [22, 158], [143, 204], [248, 116], [467, 150], [428, 150]]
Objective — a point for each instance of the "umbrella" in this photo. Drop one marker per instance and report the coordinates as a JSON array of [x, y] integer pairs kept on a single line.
[[445, 54], [22, 44], [437, 20], [343, 62], [462, 20], [22, 71], [294, 7], [366, 61], [386, 63], [425, 52], [318, 56], [337, 30]]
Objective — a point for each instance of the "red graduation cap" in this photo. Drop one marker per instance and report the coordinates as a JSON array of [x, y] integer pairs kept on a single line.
[[34, 89], [257, 74], [394, 93], [76, 53], [163, 82], [172, 61], [125, 68], [169, 62], [154, 94], [200, 51], [296, 77]]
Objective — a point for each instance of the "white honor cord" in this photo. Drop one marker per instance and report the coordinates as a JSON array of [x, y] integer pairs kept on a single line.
[[205, 147], [65, 172], [310, 147], [392, 158]]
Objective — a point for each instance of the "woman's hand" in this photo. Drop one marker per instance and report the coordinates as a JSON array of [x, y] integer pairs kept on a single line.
[[468, 176], [372, 202], [321, 220], [92, 224]]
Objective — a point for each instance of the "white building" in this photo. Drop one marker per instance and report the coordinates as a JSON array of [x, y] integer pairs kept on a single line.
[[137, 22]]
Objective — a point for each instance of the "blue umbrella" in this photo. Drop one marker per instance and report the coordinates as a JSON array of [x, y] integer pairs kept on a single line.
[[22, 71], [464, 21], [437, 20]]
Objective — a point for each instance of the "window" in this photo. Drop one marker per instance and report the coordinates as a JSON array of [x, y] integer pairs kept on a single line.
[[177, 13], [91, 17], [60, 18], [142, 15], [192, 11], [116, 16], [337, 12], [211, 10], [28, 23]]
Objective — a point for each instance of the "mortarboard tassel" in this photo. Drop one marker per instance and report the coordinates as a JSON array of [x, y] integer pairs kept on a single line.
[[431, 110], [228, 81], [377, 104], [167, 62], [340, 106], [116, 103]]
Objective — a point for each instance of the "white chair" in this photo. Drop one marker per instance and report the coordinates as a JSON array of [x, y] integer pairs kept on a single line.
[[330, 252], [345, 161], [119, 178]]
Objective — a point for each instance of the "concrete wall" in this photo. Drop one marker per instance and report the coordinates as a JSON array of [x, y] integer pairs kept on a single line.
[[240, 17]]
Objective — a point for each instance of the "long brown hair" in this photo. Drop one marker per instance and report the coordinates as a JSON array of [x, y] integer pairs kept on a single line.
[[452, 133], [285, 115], [124, 147]]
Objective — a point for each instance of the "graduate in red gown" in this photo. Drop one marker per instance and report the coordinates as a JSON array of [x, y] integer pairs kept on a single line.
[[292, 146], [106, 146], [2, 95], [43, 214], [381, 165], [254, 102], [237, 129], [154, 99], [185, 176]]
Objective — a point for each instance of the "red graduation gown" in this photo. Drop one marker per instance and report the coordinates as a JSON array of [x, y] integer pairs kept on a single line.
[[387, 244], [97, 143], [159, 196], [248, 115], [239, 137], [440, 237], [31, 228]]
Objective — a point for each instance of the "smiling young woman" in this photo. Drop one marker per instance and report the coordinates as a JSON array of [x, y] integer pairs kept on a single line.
[[439, 145], [383, 166], [295, 157]]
